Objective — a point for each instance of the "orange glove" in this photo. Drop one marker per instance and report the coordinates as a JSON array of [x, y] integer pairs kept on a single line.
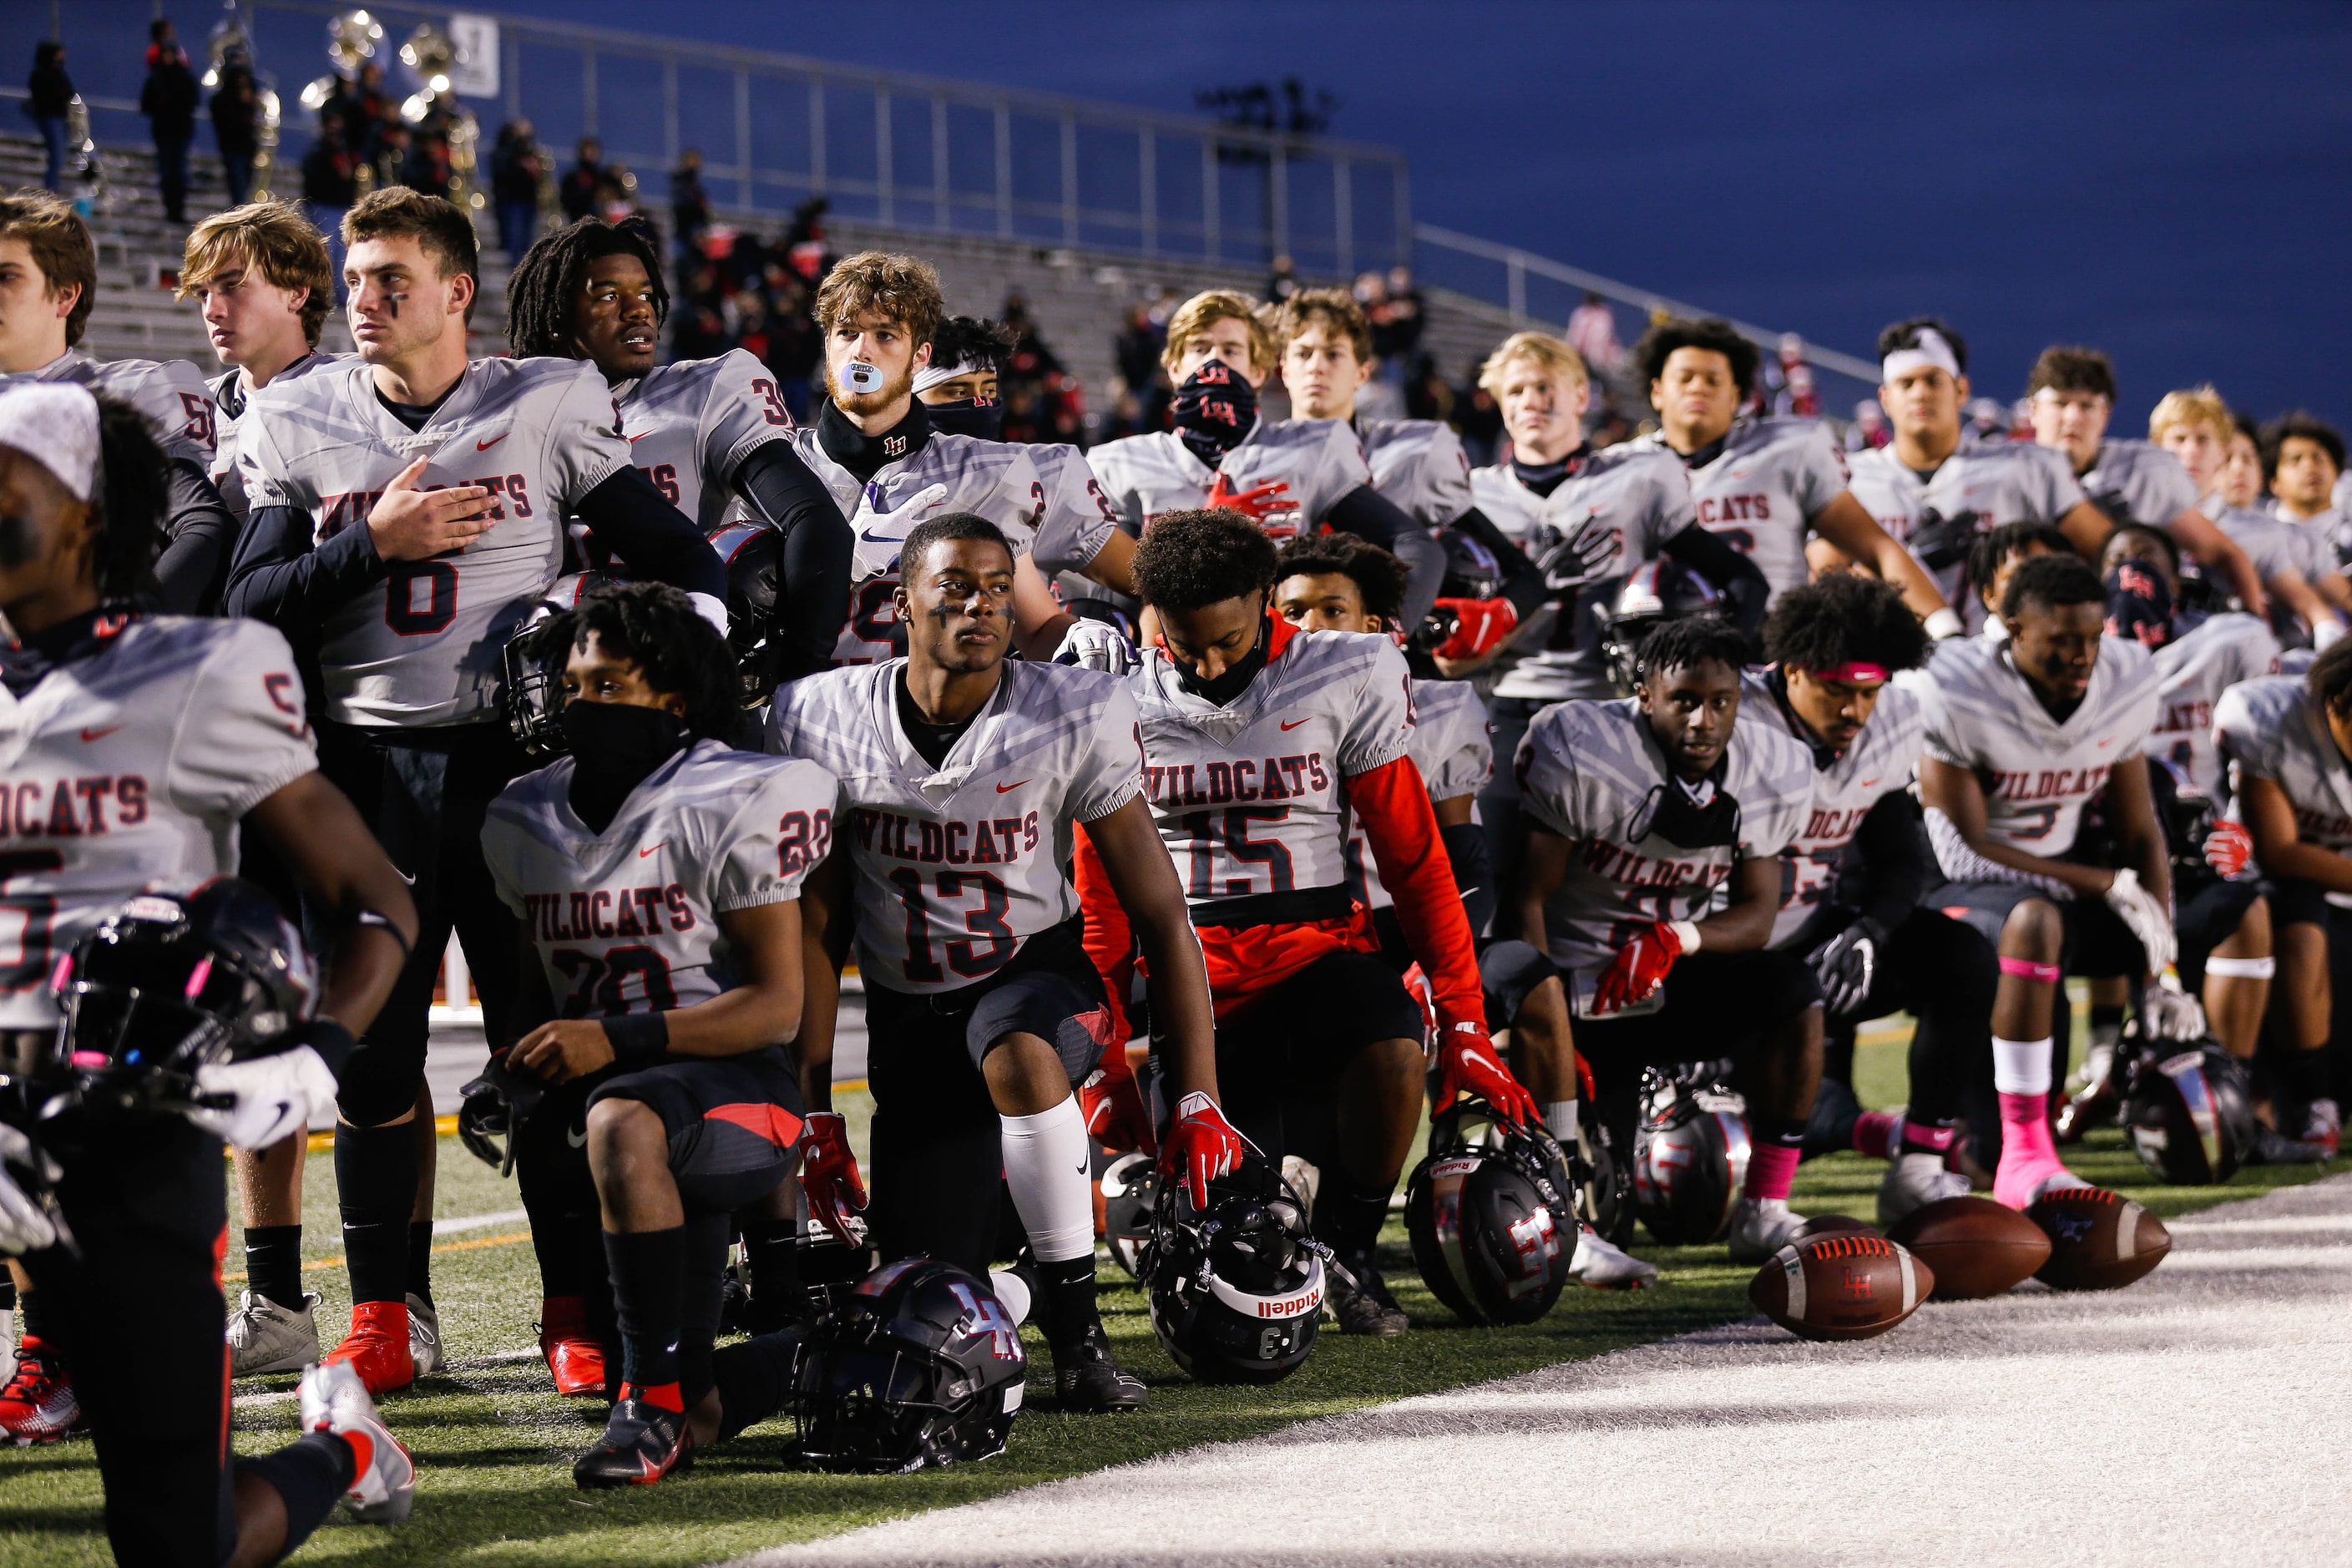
[[829, 1174], [1258, 503], [1479, 625], [1468, 1063], [1201, 1146], [1639, 968], [1113, 1103]]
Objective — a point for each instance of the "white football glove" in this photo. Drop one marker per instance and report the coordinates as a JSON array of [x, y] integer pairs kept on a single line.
[[2146, 916], [24, 1226], [1096, 645], [272, 1097], [2169, 1013], [881, 533]]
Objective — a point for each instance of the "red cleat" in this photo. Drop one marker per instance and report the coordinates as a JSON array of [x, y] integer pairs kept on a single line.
[[377, 1347], [38, 1404], [573, 1354]]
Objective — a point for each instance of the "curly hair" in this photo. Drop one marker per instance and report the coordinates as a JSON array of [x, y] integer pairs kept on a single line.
[[1690, 641], [974, 341], [1379, 577], [2305, 425], [2053, 581], [1192, 558], [899, 289], [1711, 333], [656, 628], [130, 505], [1844, 619], [555, 269]]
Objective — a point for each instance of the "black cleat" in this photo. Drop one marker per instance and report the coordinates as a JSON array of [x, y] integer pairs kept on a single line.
[[2271, 1147], [642, 1443], [1086, 1381], [1358, 1301]]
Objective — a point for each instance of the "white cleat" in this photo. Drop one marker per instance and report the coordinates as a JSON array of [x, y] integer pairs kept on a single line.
[[1914, 1181], [383, 1477], [266, 1337], [1604, 1266], [1762, 1227], [423, 1337]]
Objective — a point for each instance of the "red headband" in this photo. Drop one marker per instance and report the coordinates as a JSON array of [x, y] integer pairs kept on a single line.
[[1853, 674]]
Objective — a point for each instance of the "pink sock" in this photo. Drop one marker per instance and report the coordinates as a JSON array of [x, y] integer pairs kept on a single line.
[[1925, 1138], [2029, 1155], [1876, 1133], [1770, 1168]]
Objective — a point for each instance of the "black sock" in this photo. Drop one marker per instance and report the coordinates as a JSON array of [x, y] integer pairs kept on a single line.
[[375, 1172], [1349, 1214], [1065, 1298], [34, 1305], [649, 1270], [753, 1378], [699, 1304], [772, 1259], [308, 1475], [273, 1264], [2106, 1017], [1779, 1130], [2304, 1075], [420, 1260], [569, 1256]]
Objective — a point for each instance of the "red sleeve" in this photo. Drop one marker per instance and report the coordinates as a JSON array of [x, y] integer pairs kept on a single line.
[[1392, 803], [1110, 942]]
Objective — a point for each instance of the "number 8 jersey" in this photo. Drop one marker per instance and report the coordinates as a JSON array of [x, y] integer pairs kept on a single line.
[[627, 920]]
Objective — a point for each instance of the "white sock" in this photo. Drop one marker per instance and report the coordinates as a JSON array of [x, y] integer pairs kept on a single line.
[[2020, 1067], [1560, 1120], [1049, 1168]]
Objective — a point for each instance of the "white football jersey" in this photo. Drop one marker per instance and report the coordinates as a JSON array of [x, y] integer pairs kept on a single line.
[[1643, 496], [2319, 541], [1453, 748], [1317, 461], [2271, 728], [2191, 672], [1593, 772], [627, 920], [2273, 546], [1078, 520], [1979, 487], [957, 867], [690, 424], [170, 392], [128, 771], [2138, 481], [1419, 466], [423, 645], [1878, 764], [1251, 798], [1757, 494], [228, 410], [2036, 772]]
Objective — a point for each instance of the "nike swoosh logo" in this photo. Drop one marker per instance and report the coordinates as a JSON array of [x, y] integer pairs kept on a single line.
[[1008, 789], [405, 876], [100, 733], [1867, 782], [577, 1139], [643, 852], [868, 536], [2106, 744], [1290, 725], [633, 440], [486, 445]]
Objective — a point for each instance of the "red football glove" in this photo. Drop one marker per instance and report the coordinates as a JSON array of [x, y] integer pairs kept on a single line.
[[1113, 1104], [2228, 848], [1201, 1147], [829, 1174], [1479, 625], [1257, 503], [1639, 968], [1467, 1062]]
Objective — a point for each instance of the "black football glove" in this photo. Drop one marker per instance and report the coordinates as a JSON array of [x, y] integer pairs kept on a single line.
[[1847, 963]]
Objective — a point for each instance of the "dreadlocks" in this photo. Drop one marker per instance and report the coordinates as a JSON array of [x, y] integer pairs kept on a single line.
[[550, 273]]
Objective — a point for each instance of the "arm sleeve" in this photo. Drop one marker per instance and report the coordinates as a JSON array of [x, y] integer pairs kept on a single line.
[[242, 736], [1371, 516], [1523, 584], [813, 599], [630, 517], [1109, 941], [1899, 866], [1109, 772], [194, 568], [1393, 806], [1742, 581], [1380, 718], [775, 840], [276, 576], [743, 413]]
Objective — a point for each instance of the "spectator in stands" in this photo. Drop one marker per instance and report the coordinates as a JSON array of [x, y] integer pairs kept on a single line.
[[690, 205], [388, 159], [330, 186], [518, 163], [428, 167], [578, 193], [803, 245], [1426, 396], [1137, 350], [1592, 333], [796, 343], [1397, 325], [1285, 281], [169, 101], [1869, 428], [48, 95], [237, 123], [1479, 420]]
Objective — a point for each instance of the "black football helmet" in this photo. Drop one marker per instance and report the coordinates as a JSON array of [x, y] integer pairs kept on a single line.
[[1130, 1190], [1690, 1157], [1657, 592], [172, 981], [1492, 1226], [921, 1365], [2191, 1116], [1470, 569], [754, 555], [534, 672], [1236, 1289]]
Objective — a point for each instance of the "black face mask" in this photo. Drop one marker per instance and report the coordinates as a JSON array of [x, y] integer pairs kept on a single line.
[[978, 417], [1687, 824], [1236, 677], [1214, 411], [614, 747]]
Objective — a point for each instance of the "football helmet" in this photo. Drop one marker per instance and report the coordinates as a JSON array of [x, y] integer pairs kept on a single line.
[[921, 1365], [1236, 1289], [1659, 591], [534, 673], [492, 1108], [1690, 1157], [1130, 1190], [754, 556], [2191, 1116], [1493, 1231]]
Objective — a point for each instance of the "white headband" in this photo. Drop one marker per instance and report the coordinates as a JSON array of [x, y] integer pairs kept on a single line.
[[55, 423], [930, 376], [1929, 349]]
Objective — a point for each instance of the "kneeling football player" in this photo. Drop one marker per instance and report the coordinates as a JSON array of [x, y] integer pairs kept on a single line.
[[657, 872]]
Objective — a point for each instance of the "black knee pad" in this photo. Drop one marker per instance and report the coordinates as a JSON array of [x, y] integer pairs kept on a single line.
[[1508, 972]]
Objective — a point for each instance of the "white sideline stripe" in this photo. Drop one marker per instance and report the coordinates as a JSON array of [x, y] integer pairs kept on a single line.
[[2277, 1225], [478, 1221]]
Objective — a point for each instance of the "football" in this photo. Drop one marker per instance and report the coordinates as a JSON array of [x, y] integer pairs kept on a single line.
[[2099, 1240], [1841, 1285], [1976, 1247]]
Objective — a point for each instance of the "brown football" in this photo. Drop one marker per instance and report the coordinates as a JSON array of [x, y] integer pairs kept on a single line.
[[1841, 1285], [1831, 1223], [2099, 1240], [1976, 1247]]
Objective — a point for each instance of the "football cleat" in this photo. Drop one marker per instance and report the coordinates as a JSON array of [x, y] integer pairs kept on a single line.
[[384, 1475], [378, 1347], [2270, 1147], [2098, 1101], [573, 1354], [2323, 1124], [266, 1337], [642, 1443], [1760, 1227], [38, 1404], [1914, 1181], [1601, 1265], [1085, 1379], [423, 1337], [1358, 1301]]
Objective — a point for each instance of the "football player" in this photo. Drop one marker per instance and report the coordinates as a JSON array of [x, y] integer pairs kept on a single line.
[[136, 744], [1760, 483], [2302, 459], [48, 282], [656, 871], [1261, 743], [1287, 476], [2022, 735], [406, 510], [964, 777], [705, 432], [2072, 395], [1652, 829], [2196, 426]]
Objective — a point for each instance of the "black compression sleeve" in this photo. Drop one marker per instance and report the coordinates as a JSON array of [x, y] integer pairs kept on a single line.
[[652, 538], [1898, 866], [276, 575], [1466, 846], [194, 568], [1523, 584], [813, 599], [1370, 515], [1739, 578]]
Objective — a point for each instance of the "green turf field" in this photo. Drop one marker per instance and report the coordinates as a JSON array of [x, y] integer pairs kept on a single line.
[[494, 1445]]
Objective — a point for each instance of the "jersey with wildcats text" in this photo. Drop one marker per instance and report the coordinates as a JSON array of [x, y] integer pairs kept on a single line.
[[422, 646], [1878, 764], [2036, 772], [1316, 462], [1593, 774], [1419, 466], [627, 920], [1642, 497], [228, 408], [2271, 728], [1981, 486], [1768, 480], [956, 867], [170, 393], [690, 426], [2138, 481], [127, 770], [1251, 798], [2193, 672], [1452, 747]]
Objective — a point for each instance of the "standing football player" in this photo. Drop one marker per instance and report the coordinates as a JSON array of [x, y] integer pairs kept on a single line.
[[150, 738], [2197, 427], [1653, 829], [2303, 458], [964, 777], [407, 511], [1260, 743]]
